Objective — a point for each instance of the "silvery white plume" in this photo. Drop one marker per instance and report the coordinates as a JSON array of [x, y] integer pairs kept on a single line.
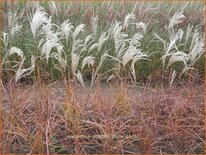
[[135, 41], [171, 47], [48, 30], [132, 54], [37, 19], [60, 59], [16, 50], [74, 62], [142, 25], [178, 56], [197, 48], [66, 29], [76, 45], [121, 51], [77, 30], [16, 28], [88, 60], [80, 78], [48, 46], [94, 46], [88, 38], [174, 39], [119, 36], [102, 39], [129, 19], [137, 57], [75, 55], [176, 19], [20, 73], [100, 43], [88, 41], [129, 55], [5, 39]]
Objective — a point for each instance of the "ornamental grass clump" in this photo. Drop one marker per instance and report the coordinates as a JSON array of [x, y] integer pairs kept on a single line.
[[128, 44]]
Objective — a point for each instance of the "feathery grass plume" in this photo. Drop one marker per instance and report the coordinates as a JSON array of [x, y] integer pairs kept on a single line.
[[170, 47], [100, 43], [119, 37], [75, 55], [20, 73], [61, 61], [58, 56], [87, 42], [16, 50], [135, 41], [92, 47], [5, 39], [87, 39], [41, 42], [88, 60], [178, 57], [133, 54], [80, 78], [102, 40], [94, 24], [48, 30], [74, 63], [15, 29], [129, 19], [37, 20], [129, 55], [48, 46], [66, 29], [174, 39], [197, 48], [142, 25], [121, 51], [76, 45], [77, 30], [172, 78], [124, 52], [176, 19]]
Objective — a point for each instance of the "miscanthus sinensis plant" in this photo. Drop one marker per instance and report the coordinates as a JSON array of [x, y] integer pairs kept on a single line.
[[174, 49], [74, 50]]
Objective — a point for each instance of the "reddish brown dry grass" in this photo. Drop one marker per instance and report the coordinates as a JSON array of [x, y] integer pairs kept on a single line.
[[115, 118]]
